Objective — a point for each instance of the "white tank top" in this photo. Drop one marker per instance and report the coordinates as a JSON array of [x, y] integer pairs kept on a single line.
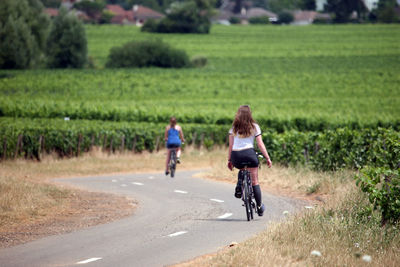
[[240, 143]]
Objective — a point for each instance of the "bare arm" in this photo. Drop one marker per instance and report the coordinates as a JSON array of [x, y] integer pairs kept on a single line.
[[230, 166], [166, 134], [264, 151], [230, 147], [181, 134]]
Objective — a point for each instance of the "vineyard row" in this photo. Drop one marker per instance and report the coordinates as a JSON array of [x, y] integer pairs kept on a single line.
[[31, 109], [326, 150]]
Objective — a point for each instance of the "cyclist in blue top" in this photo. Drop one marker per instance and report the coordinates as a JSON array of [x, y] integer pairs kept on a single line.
[[173, 139]]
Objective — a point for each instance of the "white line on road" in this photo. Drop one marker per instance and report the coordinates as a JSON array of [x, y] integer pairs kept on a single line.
[[151, 177], [136, 183], [216, 200], [180, 191], [88, 260], [123, 185], [226, 215], [114, 181], [177, 233]]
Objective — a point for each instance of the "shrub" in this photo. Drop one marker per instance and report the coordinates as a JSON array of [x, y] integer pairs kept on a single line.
[[149, 26], [234, 20], [23, 33], [383, 188], [259, 20], [106, 17], [146, 54], [67, 45], [285, 17], [322, 21], [199, 61]]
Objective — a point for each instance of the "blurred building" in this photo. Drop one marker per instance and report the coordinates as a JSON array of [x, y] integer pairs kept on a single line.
[[138, 15], [370, 4]]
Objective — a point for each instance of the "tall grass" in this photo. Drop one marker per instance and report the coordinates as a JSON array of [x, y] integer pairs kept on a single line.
[[342, 230]]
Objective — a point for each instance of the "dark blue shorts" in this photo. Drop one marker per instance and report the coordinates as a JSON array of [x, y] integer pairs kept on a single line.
[[169, 146], [246, 157]]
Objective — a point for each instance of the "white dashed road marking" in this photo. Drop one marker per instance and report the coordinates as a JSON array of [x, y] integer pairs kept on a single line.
[[216, 200], [226, 215], [123, 185], [180, 191], [177, 233], [88, 260], [151, 177], [136, 183], [114, 181]]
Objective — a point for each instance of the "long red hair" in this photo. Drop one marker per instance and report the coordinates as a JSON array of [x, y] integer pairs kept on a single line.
[[244, 122]]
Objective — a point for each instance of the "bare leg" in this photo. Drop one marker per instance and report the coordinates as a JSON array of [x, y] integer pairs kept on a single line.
[[254, 175], [168, 158]]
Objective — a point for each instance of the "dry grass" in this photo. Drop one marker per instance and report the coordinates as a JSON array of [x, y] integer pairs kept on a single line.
[[21, 200], [295, 182], [340, 228], [97, 162]]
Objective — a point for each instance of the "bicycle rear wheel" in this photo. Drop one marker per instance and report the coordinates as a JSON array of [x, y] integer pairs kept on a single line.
[[246, 199]]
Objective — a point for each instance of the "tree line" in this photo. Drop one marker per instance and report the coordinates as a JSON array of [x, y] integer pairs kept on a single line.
[[28, 38]]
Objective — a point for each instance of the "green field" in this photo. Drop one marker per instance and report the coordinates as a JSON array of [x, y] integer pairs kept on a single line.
[[337, 74], [314, 78]]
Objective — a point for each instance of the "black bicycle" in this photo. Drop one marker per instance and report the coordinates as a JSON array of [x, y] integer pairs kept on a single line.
[[247, 194], [172, 162], [247, 191]]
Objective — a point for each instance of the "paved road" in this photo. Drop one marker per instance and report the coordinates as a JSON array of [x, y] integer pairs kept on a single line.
[[177, 219]]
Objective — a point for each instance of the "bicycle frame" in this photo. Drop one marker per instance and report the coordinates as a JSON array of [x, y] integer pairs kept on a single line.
[[172, 162], [247, 194]]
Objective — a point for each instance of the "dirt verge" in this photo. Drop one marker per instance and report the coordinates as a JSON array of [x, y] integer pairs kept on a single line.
[[83, 210]]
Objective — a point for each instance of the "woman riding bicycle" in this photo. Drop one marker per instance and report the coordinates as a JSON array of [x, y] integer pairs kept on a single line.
[[241, 149], [173, 139]]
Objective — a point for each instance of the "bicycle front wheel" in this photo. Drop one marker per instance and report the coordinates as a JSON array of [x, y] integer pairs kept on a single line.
[[172, 164]]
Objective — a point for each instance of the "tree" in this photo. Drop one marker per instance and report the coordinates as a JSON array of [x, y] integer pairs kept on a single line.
[[23, 33], [51, 3], [106, 16], [238, 6], [344, 8], [92, 8], [285, 17], [67, 45], [192, 16], [308, 5], [386, 12], [281, 5]]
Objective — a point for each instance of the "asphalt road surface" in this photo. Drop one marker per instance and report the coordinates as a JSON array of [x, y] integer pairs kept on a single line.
[[176, 220]]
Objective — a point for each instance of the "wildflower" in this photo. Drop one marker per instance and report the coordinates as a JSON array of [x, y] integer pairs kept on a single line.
[[367, 258], [285, 212], [308, 207], [357, 245], [316, 253]]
